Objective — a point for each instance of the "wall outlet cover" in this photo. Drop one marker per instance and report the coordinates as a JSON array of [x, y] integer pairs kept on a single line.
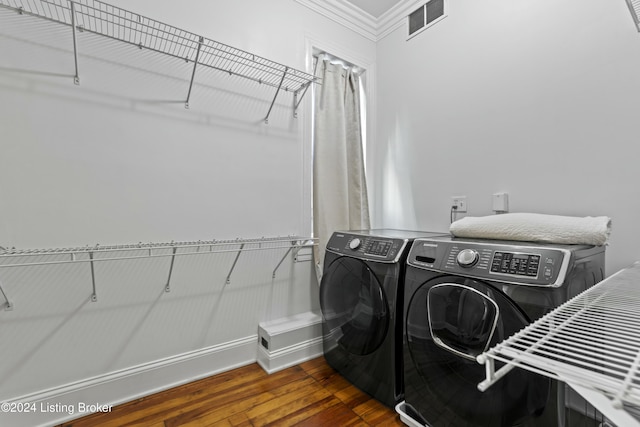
[[459, 203]]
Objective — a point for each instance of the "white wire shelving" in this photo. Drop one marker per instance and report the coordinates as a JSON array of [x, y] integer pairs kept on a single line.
[[634, 8], [13, 258], [103, 19], [591, 342]]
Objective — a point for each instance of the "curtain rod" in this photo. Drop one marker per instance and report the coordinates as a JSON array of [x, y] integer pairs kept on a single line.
[[337, 60]]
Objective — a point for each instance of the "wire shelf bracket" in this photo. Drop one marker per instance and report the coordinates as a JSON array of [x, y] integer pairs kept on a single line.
[[293, 245], [167, 287], [193, 73], [297, 99], [233, 266], [8, 306], [266, 119], [96, 17], [94, 295], [76, 77]]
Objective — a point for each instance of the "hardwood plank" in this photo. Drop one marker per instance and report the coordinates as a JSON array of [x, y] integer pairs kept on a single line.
[[302, 414], [216, 410], [319, 371], [352, 396], [218, 401], [293, 412], [240, 420], [310, 394], [336, 415], [195, 407], [313, 365], [374, 412], [207, 416], [332, 381], [287, 403], [161, 405], [219, 406]]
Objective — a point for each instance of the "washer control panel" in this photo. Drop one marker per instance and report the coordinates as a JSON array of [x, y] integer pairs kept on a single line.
[[375, 248], [516, 263], [529, 264]]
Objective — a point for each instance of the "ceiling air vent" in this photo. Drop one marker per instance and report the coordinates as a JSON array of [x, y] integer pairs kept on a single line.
[[634, 7], [426, 15]]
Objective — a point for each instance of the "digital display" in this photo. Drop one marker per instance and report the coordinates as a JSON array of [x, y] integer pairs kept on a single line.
[[515, 263], [378, 247]]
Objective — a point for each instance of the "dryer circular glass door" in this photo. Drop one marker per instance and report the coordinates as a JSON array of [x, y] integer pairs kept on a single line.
[[449, 321], [354, 306]]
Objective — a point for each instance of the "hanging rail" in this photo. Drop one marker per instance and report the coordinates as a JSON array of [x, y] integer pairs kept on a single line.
[[591, 342], [7, 253], [101, 18], [171, 250]]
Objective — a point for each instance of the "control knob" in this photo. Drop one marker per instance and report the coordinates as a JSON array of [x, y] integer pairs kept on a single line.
[[354, 244], [467, 258]]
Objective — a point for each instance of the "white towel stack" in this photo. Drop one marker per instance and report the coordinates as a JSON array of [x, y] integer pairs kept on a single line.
[[532, 227]]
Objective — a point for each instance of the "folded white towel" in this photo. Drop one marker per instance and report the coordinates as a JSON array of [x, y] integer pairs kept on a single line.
[[532, 227]]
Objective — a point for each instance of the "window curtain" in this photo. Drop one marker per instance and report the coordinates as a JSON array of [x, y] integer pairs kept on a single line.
[[340, 200]]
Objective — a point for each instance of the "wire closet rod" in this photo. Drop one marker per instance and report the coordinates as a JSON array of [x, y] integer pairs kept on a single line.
[[13, 252], [94, 16], [16, 258]]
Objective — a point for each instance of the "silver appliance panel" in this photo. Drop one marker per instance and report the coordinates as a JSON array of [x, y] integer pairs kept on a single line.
[[522, 263], [381, 249], [381, 245]]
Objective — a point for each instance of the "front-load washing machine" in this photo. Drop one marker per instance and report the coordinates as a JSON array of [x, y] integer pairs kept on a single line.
[[463, 296], [361, 298]]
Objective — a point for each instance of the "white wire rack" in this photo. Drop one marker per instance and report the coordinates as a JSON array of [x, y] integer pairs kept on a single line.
[[110, 21], [591, 342], [634, 8], [12, 258]]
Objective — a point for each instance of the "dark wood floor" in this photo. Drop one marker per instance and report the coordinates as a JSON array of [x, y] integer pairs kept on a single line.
[[310, 394]]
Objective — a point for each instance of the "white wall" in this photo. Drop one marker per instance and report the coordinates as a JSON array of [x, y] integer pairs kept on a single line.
[[531, 97], [537, 98], [119, 160]]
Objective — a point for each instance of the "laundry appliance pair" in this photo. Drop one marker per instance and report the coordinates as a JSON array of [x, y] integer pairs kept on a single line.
[[406, 313]]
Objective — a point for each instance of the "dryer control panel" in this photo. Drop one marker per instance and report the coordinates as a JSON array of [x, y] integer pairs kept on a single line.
[[518, 262], [381, 249]]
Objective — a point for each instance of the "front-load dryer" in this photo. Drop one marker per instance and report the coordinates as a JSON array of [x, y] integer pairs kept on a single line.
[[463, 296], [361, 298]]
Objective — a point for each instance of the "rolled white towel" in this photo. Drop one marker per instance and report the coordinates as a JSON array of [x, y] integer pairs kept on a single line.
[[533, 227]]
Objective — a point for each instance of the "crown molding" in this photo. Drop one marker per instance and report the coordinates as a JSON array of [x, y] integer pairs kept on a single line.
[[346, 14], [363, 23]]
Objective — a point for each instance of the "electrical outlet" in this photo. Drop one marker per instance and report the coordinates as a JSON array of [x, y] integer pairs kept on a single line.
[[459, 203]]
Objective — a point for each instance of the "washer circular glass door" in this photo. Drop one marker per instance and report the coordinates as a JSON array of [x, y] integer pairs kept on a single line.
[[354, 306], [449, 321]]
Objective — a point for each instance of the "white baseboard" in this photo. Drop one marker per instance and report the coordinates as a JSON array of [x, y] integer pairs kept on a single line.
[[274, 361], [71, 401]]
